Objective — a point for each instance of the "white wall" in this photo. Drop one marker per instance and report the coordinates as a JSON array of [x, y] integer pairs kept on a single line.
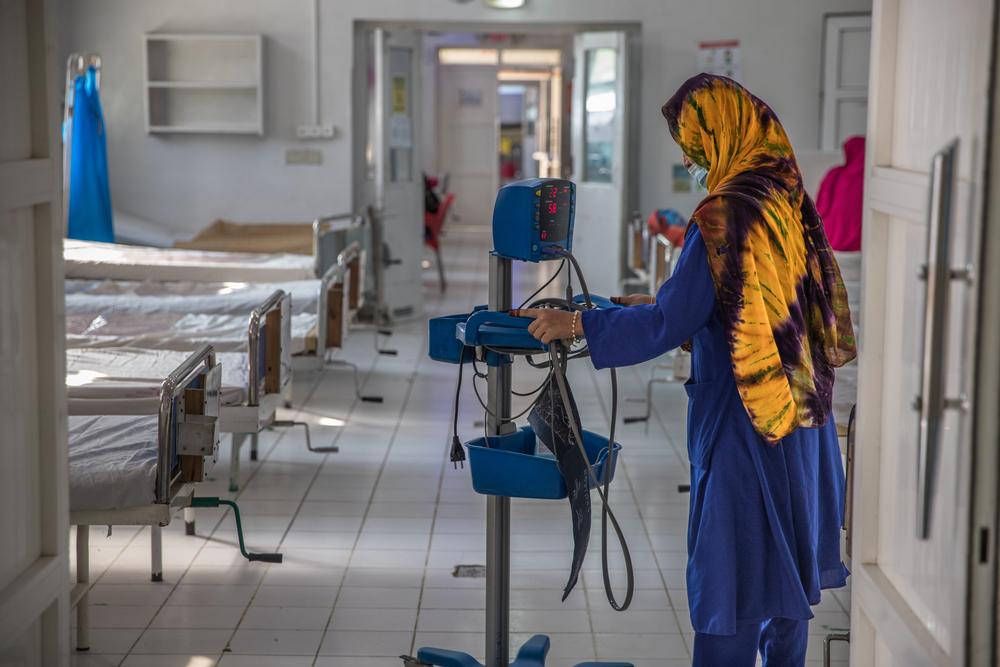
[[185, 182]]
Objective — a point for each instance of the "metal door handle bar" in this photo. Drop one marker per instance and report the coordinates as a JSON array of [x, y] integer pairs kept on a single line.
[[828, 640], [937, 275]]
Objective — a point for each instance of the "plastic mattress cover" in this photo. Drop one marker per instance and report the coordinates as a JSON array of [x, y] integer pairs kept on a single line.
[[112, 462], [845, 386], [144, 324], [232, 298], [122, 381], [89, 259]]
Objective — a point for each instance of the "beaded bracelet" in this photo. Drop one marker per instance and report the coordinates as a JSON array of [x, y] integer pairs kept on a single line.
[[576, 320]]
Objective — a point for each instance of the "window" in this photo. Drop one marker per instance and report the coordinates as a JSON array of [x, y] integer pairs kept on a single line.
[[600, 114]]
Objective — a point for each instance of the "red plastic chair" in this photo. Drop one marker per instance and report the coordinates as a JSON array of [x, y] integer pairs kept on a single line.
[[433, 223]]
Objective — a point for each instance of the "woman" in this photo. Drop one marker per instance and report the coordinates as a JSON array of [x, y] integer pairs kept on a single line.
[[840, 200], [759, 298]]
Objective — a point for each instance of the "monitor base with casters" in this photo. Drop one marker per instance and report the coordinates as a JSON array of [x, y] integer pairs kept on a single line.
[[532, 654]]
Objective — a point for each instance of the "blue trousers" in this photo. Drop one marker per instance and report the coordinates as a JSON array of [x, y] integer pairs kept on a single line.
[[780, 641]]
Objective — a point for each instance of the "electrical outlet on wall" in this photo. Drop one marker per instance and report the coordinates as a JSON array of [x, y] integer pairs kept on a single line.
[[309, 156], [316, 132]]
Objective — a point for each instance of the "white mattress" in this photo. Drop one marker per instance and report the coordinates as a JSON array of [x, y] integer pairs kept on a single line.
[[88, 259], [122, 381], [140, 323], [230, 298], [845, 386], [112, 462]]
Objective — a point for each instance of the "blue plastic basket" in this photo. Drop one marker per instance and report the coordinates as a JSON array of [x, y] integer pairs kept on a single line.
[[517, 466]]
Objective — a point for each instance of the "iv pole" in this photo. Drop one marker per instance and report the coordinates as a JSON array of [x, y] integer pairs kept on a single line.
[[76, 66], [498, 389]]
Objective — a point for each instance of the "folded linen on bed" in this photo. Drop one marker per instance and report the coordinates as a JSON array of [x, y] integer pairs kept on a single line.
[[112, 462]]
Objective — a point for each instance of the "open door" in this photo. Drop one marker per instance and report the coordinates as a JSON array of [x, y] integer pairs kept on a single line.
[[398, 185], [914, 538], [600, 167], [468, 124]]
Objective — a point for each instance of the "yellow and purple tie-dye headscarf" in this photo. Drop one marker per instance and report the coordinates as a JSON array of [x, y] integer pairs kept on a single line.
[[779, 289]]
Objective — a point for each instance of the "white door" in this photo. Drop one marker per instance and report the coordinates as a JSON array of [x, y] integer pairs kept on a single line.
[[911, 542], [846, 48], [600, 169], [468, 120], [398, 183], [34, 515]]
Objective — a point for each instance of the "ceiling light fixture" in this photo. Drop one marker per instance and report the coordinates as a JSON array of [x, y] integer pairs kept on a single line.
[[505, 4]]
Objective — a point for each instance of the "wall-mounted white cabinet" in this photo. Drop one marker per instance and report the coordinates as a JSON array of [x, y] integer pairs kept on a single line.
[[204, 83]]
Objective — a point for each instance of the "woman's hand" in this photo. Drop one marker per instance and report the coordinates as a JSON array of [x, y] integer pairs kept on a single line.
[[633, 299], [550, 323]]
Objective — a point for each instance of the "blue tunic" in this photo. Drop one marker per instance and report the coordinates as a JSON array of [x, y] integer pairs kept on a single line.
[[764, 522]]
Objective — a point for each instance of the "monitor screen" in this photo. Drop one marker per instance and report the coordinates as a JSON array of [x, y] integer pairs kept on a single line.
[[555, 204]]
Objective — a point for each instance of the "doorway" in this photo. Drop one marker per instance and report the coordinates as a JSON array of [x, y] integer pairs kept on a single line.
[[500, 97], [432, 99]]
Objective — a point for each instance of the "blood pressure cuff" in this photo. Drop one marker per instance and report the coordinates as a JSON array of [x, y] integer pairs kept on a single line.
[[552, 428]]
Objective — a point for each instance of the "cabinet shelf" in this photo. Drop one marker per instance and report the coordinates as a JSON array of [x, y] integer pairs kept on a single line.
[[204, 83], [205, 128], [222, 85]]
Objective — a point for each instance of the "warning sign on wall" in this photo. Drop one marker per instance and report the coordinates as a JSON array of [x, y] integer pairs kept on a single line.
[[721, 57], [399, 94]]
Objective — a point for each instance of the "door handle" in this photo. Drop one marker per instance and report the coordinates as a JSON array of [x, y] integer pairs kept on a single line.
[[937, 275], [849, 474]]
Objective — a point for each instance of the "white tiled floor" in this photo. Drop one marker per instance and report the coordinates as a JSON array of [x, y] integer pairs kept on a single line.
[[370, 535]]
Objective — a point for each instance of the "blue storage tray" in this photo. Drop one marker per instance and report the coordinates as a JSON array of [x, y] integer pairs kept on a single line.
[[442, 343], [518, 466]]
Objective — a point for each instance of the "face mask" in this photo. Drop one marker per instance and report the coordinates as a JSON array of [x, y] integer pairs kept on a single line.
[[699, 174]]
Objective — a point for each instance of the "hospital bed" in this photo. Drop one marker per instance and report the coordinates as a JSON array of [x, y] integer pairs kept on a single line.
[[322, 238], [136, 450], [257, 344], [320, 308], [331, 235], [129, 462], [88, 259]]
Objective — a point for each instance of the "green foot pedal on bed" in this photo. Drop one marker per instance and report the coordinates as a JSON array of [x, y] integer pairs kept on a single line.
[[212, 502]]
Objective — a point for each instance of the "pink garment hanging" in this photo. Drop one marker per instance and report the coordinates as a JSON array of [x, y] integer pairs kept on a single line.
[[841, 198]]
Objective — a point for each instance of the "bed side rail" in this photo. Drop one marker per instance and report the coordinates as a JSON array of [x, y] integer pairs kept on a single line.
[[269, 335], [661, 261], [353, 258], [639, 240], [330, 313], [195, 386], [325, 245], [339, 297]]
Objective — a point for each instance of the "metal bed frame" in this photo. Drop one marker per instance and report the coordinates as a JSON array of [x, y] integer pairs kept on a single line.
[[267, 387], [178, 431], [259, 410]]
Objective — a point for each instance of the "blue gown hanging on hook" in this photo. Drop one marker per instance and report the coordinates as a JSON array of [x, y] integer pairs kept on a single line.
[[89, 216]]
